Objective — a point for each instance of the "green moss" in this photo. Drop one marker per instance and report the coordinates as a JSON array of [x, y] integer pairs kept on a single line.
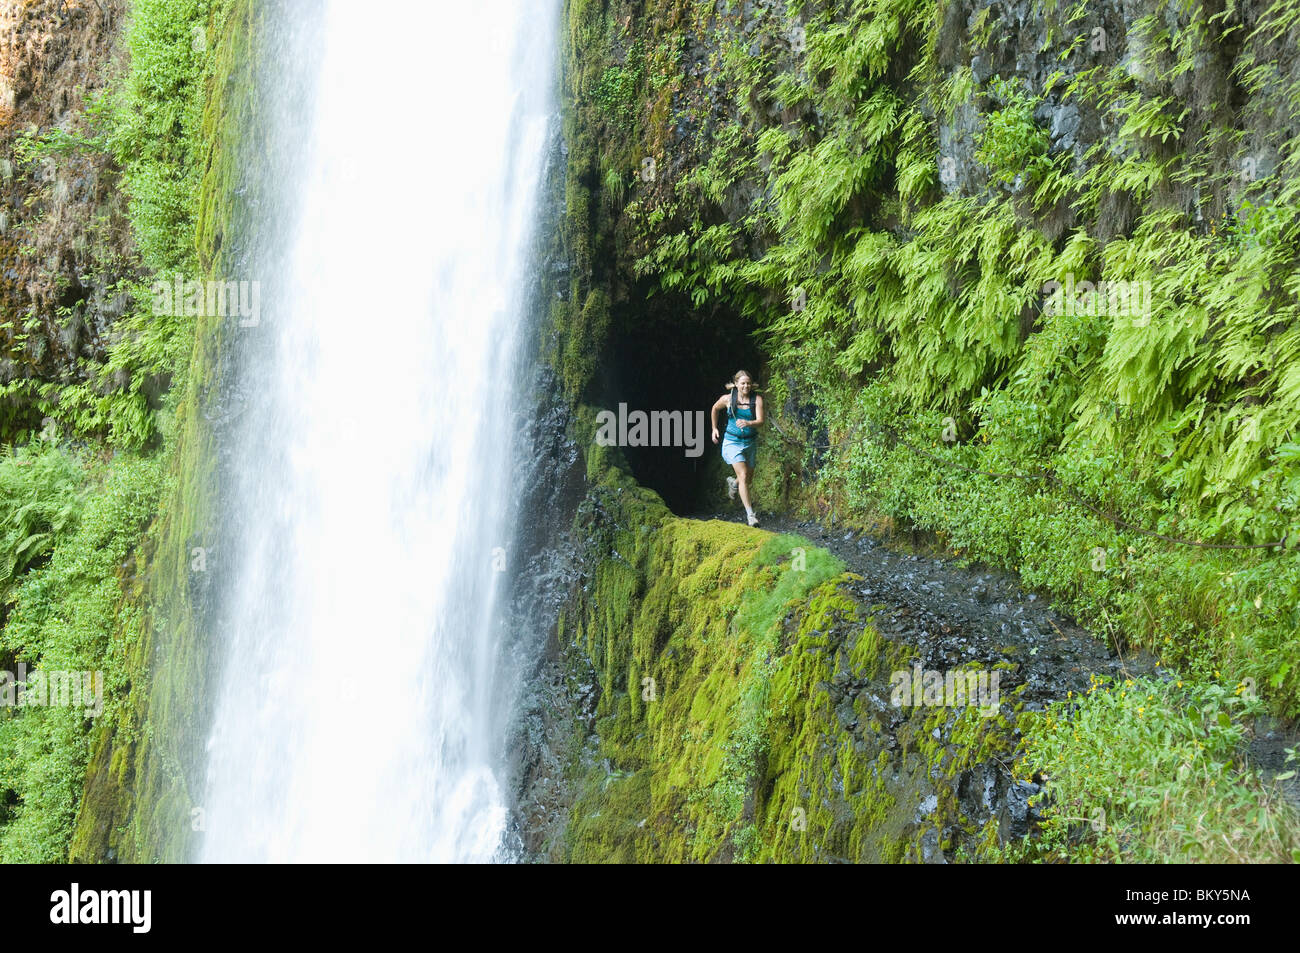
[[610, 822]]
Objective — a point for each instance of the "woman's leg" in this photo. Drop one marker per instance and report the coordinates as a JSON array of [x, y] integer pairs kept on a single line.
[[743, 472]]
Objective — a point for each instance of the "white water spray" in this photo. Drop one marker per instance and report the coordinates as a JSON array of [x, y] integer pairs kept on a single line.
[[361, 711]]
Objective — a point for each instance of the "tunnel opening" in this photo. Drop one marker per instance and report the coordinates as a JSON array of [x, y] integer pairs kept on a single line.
[[666, 355]]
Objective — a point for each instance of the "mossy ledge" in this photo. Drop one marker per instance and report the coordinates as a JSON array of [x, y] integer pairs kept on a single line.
[[741, 705]]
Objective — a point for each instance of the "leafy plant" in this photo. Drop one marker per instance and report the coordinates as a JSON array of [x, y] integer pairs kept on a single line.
[[1012, 146]]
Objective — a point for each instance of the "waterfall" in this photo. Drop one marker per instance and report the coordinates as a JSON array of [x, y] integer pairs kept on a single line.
[[363, 701]]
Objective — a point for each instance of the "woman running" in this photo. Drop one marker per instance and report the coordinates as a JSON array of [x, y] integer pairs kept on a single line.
[[744, 415]]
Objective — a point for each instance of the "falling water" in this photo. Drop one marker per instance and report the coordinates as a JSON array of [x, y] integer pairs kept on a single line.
[[362, 710]]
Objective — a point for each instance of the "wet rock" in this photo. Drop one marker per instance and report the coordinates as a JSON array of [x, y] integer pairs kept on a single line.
[[1019, 813], [926, 807], [931, 853]]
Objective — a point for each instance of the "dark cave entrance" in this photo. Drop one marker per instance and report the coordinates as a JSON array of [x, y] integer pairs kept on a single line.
[[668, 356]]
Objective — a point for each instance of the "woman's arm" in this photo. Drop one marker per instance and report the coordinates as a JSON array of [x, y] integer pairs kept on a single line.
[[713, 413]]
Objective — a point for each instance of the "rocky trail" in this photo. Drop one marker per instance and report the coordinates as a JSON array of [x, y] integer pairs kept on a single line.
[[956, 615]]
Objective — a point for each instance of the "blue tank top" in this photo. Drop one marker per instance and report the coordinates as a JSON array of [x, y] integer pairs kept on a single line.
[[742, 413]]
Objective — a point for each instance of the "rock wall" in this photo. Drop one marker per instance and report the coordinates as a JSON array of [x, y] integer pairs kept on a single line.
[[65, 236]]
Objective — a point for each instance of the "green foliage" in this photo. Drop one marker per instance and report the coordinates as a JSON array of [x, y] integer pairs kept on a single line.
[[68, 615], [30, 148], [152, 119], [618, 89], [1012, 145], [1154, 771], [922, 306], [40, 501]]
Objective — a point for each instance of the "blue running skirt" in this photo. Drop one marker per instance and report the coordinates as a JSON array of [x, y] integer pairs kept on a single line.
[[733, 450]]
